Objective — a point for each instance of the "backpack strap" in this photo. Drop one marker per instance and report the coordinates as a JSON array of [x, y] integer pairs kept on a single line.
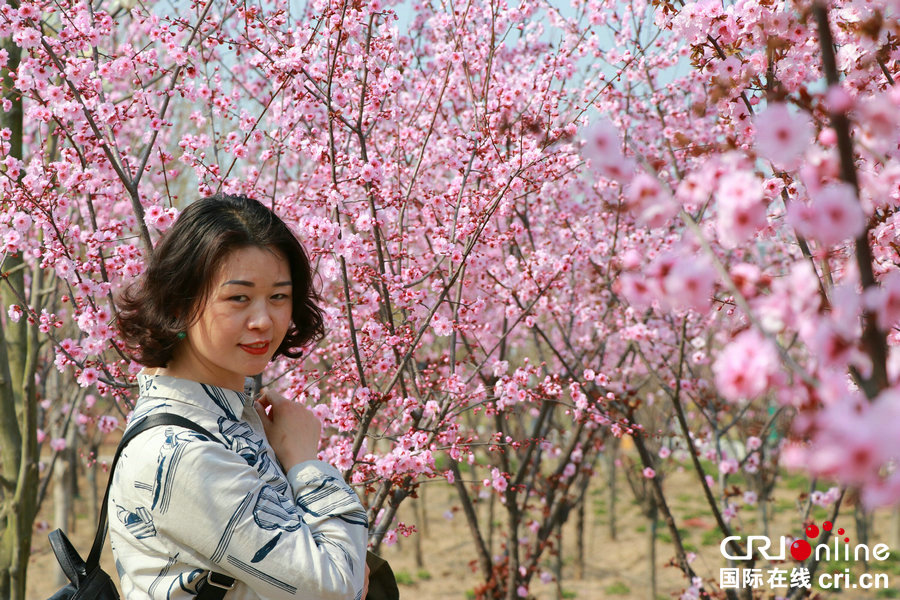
[[216, 583]]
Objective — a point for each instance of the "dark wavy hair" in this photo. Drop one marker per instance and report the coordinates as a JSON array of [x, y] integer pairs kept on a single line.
[[173, 289]]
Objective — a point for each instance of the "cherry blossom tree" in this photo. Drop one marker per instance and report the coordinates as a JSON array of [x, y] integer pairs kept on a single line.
[[767, 161], [530, 221]]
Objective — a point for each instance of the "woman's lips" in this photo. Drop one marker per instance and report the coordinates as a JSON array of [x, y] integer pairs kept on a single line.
[[255, 348]]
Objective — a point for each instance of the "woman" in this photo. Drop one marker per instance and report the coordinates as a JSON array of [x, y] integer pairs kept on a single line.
[[227, 289]]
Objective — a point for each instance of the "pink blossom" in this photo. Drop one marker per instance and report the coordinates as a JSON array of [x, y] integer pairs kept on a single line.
[[649, 473], [27, 38], [782, 137], [603, 149], [649, 201], [884, 300], [879, 119], [364, 222], [690, 284], [883, 492], [390, 538], [58, 444], [166, 219], [15, 312], [746, 277], [729, 513], [846, 446], [367, 172], [631, 259], [834, 344], [827, 137], [602, 142], [152, 214], [838, 100], [729, 69], [21, 222], [831, 496], [88, 377], [833, 216], [728, 466], [498, 480], [441, 325], [751, 462], [741, 208], [637, 290], [664, 452], [744, 367], [11, 241]]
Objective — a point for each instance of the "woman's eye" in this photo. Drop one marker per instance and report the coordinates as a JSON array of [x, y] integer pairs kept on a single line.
[[240, 298], [280, 296]]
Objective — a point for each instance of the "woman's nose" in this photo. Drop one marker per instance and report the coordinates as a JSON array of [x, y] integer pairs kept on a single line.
[[260, 317]]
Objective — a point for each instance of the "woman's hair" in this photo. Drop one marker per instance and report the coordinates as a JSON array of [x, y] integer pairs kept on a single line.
[[176, 284]]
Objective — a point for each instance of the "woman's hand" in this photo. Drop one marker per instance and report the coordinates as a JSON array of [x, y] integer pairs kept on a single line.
[[292, 429]]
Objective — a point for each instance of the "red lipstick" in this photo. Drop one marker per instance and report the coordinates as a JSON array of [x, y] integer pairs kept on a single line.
[[260, 348]]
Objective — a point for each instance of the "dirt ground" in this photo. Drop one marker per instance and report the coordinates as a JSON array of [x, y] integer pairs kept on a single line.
[[616, 569]]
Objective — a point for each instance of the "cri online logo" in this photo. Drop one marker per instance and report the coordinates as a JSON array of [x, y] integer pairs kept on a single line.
[[801, 549]]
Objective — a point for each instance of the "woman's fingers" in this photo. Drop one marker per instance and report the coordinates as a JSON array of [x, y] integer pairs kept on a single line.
[[267, 400], [262, 411], [293, 430]]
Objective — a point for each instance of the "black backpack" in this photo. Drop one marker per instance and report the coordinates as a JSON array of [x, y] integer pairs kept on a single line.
[[88, 580]]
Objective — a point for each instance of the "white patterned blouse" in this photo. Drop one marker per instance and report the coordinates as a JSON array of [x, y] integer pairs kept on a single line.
[[181, 505]]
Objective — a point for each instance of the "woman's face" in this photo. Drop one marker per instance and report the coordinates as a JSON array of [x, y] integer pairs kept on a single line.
[[246, 316]]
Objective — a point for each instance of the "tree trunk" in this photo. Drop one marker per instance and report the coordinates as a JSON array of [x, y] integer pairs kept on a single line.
[[580, 523], [93, 491], [490, 524], [71, 455], [558, 566], [863, 527], [62, 503], [18, 401], [654, 523], [512, 545], [611, 486]]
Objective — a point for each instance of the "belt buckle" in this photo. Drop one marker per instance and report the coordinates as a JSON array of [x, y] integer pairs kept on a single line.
[[220, 584]]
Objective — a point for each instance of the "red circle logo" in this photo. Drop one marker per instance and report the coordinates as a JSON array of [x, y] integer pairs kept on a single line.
[[800, 550]]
